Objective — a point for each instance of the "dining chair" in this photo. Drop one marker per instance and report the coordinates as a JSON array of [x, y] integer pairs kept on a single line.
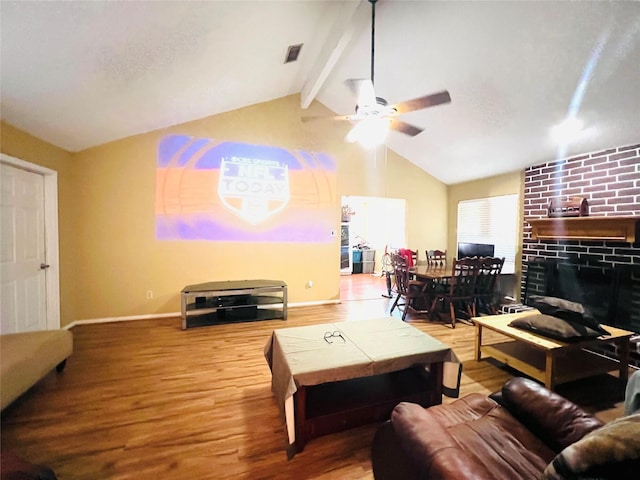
[[411, 256], [397, 260], [437, 258], [486, 287], [410, 292], [459, 296]]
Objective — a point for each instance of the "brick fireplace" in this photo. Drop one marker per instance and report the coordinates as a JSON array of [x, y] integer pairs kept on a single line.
[[610, 181]]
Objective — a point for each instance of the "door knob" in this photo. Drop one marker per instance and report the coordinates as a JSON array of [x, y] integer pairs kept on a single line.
[[44, 266]]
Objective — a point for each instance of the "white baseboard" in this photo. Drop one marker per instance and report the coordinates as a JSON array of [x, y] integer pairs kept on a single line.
[[120, 319], [313, 304], [175, 314]]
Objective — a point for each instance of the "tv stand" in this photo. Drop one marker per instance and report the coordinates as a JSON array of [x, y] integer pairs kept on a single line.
[[233, 300]]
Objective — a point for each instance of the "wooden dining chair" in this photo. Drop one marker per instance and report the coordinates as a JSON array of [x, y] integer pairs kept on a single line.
[[486, 287], [437, 258], [396, 260], [459, 296], [410, 292]]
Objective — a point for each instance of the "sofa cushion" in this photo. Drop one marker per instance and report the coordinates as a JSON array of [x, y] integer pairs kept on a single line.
[[554, 327], [472, 437], [553, 418], [612, 451], [27, 357], [567, 310]]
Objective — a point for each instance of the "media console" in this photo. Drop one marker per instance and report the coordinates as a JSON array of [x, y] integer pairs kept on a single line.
[[233, 300]]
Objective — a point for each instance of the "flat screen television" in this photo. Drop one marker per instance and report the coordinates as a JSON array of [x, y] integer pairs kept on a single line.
[[475, 250]]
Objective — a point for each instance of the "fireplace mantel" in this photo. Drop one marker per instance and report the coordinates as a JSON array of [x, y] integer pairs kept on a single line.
[[619, 229]]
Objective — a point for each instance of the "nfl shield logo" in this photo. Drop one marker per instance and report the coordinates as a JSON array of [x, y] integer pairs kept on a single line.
[[253, 188]]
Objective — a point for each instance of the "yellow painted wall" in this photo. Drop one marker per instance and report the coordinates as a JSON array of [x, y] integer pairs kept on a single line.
[[506, 184], [19, 144], [116, 258], [426, 205]]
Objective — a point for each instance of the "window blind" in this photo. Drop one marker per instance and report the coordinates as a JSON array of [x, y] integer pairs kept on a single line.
[[492, 220]]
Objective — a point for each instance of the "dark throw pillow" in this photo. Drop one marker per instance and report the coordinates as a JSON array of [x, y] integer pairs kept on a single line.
[[567, 310], [554, 327]]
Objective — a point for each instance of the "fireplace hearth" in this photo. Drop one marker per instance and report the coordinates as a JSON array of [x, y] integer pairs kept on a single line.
[[610, 292]]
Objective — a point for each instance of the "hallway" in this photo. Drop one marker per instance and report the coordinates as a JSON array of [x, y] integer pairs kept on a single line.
[[362, 286]]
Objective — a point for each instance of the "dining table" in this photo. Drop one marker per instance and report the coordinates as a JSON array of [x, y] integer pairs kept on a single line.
[[428, 273], [432, 278]]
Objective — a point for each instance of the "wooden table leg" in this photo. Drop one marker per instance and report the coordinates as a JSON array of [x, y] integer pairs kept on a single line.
[[478, 342], [436, 371], [300, 401], [623, 352], [549, 379]]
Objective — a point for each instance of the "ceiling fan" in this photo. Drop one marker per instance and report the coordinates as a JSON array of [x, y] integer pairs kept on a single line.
[[371, 109]]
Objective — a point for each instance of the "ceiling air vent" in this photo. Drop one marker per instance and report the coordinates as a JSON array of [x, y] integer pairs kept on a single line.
[[292, 53]]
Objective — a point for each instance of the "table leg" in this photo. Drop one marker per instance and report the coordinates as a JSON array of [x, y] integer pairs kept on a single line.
[[549, 379], [300, 401], [478, 342], [436, 375], [623, 352]]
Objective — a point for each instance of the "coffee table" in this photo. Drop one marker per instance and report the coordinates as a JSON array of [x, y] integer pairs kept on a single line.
[[547, 360], [357, 375]]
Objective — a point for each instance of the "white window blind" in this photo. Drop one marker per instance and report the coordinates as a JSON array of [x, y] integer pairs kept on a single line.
[[492, 220]]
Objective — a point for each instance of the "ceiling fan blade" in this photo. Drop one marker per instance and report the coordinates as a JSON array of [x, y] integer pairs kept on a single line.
[[362, 88], [423, 102], [404, 127]]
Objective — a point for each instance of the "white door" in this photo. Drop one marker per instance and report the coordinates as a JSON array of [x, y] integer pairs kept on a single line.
[[22, 251]]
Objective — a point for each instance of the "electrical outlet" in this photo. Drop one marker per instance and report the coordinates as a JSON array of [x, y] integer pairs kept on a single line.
[[149, 294]]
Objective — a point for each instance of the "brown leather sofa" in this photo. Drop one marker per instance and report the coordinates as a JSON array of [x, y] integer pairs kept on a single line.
[[14, 467], [513, 434]]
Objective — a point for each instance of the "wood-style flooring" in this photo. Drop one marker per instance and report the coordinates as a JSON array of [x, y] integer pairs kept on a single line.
[[147, 400]]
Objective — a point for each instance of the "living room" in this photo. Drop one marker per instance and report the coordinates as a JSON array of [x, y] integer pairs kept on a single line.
[[149, 399]]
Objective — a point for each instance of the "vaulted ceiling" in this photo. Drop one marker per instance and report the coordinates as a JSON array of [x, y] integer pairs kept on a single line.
[[79, 74]]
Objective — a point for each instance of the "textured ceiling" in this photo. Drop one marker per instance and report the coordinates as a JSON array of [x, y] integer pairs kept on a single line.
[[79, 74]]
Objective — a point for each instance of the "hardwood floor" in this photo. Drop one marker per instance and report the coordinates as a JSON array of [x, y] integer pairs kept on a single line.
[[147, 400]]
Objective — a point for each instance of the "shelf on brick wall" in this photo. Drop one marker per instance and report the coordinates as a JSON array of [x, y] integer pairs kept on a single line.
[[619, 229]]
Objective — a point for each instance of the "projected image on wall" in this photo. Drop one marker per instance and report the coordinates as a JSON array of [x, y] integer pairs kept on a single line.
[[213, 190]]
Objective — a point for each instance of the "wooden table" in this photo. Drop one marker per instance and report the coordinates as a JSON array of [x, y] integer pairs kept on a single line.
[[356, 377], [429, 276], [427, 273], [547, 360]]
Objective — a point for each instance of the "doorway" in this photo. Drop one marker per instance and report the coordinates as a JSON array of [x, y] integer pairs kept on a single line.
[[29, 293], [376, 223]]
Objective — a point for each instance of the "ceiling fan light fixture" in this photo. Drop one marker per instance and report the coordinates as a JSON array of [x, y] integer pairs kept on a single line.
[[377, 114], [370, 132]]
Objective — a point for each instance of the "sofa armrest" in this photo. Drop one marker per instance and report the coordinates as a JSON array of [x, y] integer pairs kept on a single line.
[[431, 448], [556, 420], [388, 459], [14, 467]]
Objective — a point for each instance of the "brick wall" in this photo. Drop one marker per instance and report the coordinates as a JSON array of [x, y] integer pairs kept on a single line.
[[610, 181]]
